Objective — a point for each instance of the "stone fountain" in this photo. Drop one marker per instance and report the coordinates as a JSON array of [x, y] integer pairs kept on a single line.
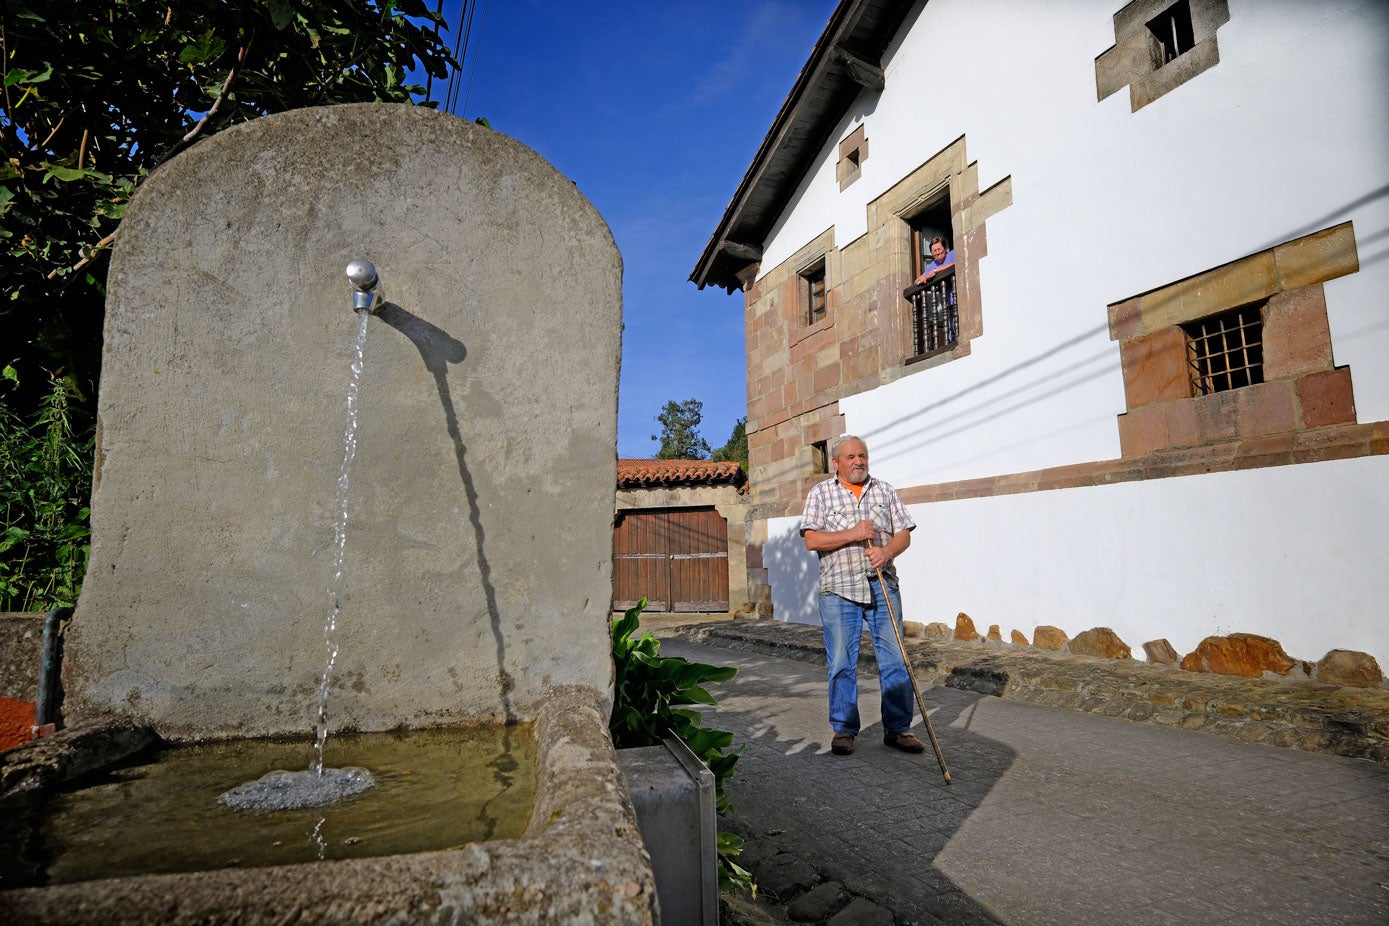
[[477, 570]]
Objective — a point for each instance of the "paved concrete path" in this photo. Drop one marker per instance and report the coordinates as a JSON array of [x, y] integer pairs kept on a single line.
[[1053, 816]]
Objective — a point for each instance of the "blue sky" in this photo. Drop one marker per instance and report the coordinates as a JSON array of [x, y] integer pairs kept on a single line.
[[655, 110]]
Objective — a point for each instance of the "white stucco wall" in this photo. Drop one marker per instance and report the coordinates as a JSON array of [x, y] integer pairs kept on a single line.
[[1288, 134], [1149, 559]]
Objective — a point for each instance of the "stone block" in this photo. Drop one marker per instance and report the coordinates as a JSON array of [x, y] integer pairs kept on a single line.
[[1297, 335], [1349, 668], [1238, 283], [1326, 398], [938, 631], [1133, 56], [964, 628], [1162, 653], [1316, 258], [913, 629], [1143, 431], [1100, 642], [1048, 637], [1244, 654], [1126, 320], [1263, 408], [1155, 367], [826, 378], [1217, 416], [994, 633], [1018, 638], [1201, 57], [818, 903]]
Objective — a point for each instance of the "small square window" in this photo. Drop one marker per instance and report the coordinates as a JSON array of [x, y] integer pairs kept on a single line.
[[1226, 351], [1173, 30], [820, 457], [813, 293]]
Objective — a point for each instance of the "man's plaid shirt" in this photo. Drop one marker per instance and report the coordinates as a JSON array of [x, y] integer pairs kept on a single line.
[[831, 507]]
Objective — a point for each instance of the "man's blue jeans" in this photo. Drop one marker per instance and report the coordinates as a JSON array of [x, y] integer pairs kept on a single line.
[[843, 621]]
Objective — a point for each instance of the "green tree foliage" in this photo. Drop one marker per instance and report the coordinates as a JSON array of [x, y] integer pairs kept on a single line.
[[737, 447], [96, 95], [651, 700], [679, 435], [45, 480]]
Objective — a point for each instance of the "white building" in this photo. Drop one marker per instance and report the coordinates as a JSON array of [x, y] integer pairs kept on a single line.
[[1117, 182]]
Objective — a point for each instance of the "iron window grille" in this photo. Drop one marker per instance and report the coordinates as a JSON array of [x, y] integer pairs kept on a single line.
[[1226, 351]]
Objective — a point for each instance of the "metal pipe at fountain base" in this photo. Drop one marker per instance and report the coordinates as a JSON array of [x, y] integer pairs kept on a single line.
[[48, 701]]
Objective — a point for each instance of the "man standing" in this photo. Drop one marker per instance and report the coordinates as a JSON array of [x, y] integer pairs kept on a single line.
[[858, 525]]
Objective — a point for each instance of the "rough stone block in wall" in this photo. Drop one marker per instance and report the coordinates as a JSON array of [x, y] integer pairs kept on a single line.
[[1326, 398], [1161, 652], [1350, 668], [1155, 367], [1264, 408], [1316, 258], [1246, 654], [1143, 431], [1100, 642], [1297, 335], [1048, 637]]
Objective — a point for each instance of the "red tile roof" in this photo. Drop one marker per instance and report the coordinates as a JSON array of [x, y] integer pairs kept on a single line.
[[639, 474]]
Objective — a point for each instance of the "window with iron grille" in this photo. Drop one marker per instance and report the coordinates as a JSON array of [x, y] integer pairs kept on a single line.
[[813, 293], [1226, 351]]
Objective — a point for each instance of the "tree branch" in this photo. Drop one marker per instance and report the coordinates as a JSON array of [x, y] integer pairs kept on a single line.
[[221, 95], [91, 256]]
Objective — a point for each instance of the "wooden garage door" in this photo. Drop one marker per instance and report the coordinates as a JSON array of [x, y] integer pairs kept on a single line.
[[676, 558]]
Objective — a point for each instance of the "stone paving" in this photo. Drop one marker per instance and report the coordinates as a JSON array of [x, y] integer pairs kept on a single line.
[[1053, 816]]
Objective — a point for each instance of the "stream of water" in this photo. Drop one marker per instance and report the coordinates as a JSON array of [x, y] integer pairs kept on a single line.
[[282, 790]]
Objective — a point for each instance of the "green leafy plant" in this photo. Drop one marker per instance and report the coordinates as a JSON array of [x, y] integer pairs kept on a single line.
[[650, 702], [45, 483]]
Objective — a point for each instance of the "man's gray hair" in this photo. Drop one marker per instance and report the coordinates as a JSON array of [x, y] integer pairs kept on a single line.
[[838, 441]]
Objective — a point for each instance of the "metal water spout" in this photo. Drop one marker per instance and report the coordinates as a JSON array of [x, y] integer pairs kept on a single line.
[[362, 275]]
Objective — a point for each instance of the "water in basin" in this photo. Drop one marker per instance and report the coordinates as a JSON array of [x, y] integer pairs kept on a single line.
[[435, 789]]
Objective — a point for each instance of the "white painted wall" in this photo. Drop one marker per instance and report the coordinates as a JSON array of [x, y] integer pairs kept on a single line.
[[1287, 135], [1149, 559]]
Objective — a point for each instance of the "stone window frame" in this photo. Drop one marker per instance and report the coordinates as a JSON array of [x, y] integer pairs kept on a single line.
[[1303, 389], [853, 151], [1135, 58], [948, 170]]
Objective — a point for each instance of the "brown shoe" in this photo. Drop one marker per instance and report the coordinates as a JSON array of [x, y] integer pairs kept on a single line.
[[907, 742], [842, 744]]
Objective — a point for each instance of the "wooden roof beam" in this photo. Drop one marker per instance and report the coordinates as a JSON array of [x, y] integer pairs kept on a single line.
[[864, 73]]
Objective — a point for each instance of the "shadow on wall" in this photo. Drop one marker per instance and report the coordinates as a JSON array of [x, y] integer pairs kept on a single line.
[[438, 349], [794, 574]]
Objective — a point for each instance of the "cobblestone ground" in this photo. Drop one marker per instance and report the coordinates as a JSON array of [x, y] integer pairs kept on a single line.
[[1053, 816]]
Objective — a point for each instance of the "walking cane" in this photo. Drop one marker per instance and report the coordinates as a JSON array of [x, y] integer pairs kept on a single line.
[[902, 645]]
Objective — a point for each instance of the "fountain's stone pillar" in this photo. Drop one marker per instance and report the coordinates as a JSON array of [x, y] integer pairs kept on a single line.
[[478, 556]]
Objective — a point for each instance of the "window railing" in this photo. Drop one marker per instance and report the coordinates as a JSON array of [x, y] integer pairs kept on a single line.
[[935, 315]]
